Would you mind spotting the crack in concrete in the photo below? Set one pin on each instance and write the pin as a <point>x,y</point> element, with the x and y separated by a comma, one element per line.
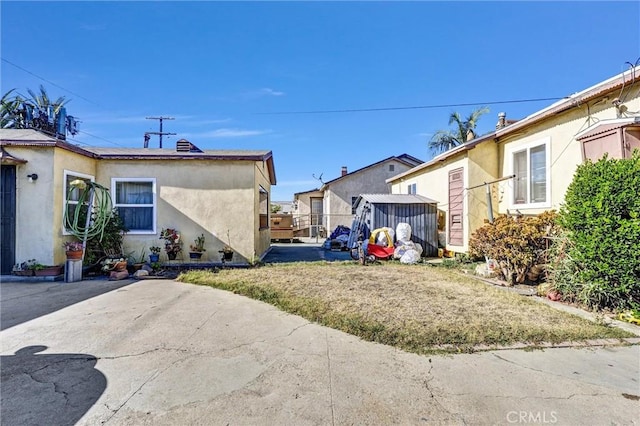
<point>56,388</point>
<point>527,397</point>
<point>114,412</point>
<point>333,418</point>
<point>143,353</point>
<point>160,372</point>
<point>296,329</point>
<point>427,385</point>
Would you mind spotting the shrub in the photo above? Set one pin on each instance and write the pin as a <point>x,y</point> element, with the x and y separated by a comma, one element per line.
<point>599,265</point>
<point>515,243</point>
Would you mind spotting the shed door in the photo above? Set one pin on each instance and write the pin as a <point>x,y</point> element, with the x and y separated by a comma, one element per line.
<point>456,209</point>
<point>7,219</point>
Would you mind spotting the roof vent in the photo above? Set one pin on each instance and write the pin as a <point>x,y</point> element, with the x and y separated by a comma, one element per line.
<point>184,145</point>
<point>502,120</point>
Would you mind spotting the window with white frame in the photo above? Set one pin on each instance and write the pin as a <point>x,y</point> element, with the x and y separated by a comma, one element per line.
<point>411,188</point>
<point>135,201</point>
<point>530,165</point>
<point>72,194</point>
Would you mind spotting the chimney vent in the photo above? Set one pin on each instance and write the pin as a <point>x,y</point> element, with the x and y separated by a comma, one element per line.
<point>502,120</point>
<point>344,170</point>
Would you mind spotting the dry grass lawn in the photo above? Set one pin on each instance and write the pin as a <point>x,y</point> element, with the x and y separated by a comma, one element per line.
<point>418,308</point>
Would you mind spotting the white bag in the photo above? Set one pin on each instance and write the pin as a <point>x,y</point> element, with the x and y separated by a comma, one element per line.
<point>410,257</point>
<point>403,232</point>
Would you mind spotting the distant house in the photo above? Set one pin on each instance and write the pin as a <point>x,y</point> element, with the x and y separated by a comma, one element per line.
<point>285,206</point>
<point>321,210</point>
<point>211,192</point>
<point>526,166</point>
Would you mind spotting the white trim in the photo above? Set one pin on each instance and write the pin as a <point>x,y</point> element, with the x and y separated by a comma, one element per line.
<point>114,181</point>
<point>66,173</point>
<point>510,151</point>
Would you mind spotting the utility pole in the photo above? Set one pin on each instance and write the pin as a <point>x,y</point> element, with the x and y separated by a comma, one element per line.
<point>160,133</point>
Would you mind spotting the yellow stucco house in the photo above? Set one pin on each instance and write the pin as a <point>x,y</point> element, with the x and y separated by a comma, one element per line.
<point>526,166</point>
<point>210,192</point>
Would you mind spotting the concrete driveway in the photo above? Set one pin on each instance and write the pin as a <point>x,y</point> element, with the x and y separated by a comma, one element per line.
<point>158,352</point>
<point>308,250</point>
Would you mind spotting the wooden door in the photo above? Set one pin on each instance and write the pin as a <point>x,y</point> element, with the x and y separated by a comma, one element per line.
<point>456,207</point>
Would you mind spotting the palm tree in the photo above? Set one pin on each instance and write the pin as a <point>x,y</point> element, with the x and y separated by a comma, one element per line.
<point>15,111</point>
<point>9,108</point>
<point>444,140</point>
<point>43,102</point>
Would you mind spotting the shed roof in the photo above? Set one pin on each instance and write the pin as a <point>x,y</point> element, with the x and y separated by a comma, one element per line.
<point>395,199</point>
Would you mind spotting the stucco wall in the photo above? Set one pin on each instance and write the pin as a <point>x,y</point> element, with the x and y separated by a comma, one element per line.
<point>483,167</point>
<point>433,182</point>
<point>34,230</point>
<point>195,197</point>
<point>565,151</point>
<point>302,211</point>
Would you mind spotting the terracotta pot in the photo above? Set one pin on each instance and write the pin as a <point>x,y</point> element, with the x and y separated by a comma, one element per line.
<point>74,255</point>
<point>26,273</point>
<point>49,271</point>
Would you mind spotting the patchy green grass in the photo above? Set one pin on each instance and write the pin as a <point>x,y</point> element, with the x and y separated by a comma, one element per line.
<point>413,307</point>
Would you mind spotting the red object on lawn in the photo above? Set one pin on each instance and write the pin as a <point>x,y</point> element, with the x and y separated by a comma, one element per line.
<point>380,252</point>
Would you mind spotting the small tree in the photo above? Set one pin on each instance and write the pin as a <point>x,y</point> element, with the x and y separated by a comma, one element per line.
<point>516,243</point>
<point>599,265</point>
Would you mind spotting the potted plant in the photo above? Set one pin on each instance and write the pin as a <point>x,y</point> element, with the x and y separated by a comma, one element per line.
<point>155,254</point>
<point>40,270</point>
<point>73,250</point>
<point>114,265</point>
<point>172,242</point>
<point>227,251</point>
<point>197,248</point>
<point>138,262</point>
<point>24,269</point>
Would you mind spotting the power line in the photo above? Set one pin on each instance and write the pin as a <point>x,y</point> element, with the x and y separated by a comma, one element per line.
<point>97,137</point>
<point>514,101</point>
<point>48,81</point>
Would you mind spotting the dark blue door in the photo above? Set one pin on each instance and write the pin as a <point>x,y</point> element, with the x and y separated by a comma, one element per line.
<point>7,219</point>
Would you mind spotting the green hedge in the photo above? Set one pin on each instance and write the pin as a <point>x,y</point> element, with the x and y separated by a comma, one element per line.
<point>598,264</point>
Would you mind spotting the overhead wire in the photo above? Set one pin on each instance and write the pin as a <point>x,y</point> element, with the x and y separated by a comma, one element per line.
<point>48,81</point>
<point>512,101</point>
<point>69,91</point>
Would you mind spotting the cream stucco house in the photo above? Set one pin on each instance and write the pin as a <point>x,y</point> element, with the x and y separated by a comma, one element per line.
<point>209,192</point>
<point>526,166</point>
<point>321,210</point>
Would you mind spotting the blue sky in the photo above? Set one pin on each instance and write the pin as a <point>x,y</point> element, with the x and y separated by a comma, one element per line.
<point>226,71</point>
